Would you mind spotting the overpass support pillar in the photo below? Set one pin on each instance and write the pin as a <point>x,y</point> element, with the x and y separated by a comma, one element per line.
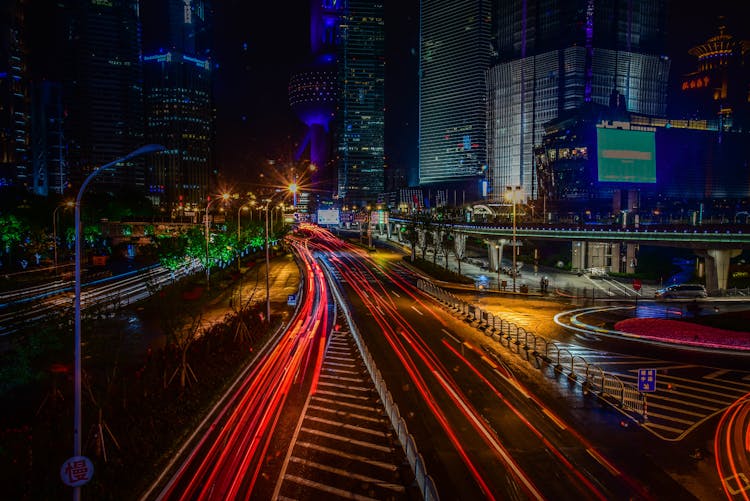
<point>495,250</point>
<point>717,266</point>
<point>578,256</point>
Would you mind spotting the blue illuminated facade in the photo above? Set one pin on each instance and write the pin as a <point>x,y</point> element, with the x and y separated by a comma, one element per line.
<point>313,93</point>
<point>551,57</point>
<point>179,105</point>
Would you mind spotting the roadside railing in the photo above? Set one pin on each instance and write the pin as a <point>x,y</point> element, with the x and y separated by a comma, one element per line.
<point>424,481</point>
<point>590,377</point>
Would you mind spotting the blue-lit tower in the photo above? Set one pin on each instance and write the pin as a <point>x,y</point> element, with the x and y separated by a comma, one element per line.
<point>313,92</point>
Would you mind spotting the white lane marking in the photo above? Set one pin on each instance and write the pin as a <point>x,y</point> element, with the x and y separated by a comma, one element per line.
<point>454,338</point>
<point>413,308</point>
<point>344,473</point>
<point>348,440</point>
<point>325,488</point>
<point>346,455</point>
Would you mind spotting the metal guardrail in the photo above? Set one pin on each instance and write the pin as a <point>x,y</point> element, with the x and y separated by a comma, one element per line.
<point>424,481</point>
<point>591,377</point>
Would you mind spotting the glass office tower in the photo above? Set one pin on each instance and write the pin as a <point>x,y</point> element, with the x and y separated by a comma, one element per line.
<point>552,57</point>
<point>455,52</point>
<point>360,119</point>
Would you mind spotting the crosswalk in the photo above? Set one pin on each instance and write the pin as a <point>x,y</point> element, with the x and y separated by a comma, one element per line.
<point>345,447</point>
<point>685,395</point>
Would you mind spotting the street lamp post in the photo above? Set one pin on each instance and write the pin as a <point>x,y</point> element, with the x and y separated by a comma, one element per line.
<point>239,234</point>
<point>224,197</point>
<point>268,268</point>
<point>514,193</point>
<point>54,228</point>
<point>150,148</point>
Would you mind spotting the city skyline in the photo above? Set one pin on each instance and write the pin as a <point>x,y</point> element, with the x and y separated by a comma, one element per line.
<point>252,63</point>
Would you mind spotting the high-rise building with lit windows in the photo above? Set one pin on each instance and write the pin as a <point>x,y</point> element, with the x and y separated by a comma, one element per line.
<point>104,91</point>
<point>360,115</point>
<point>14,98</point>
<point>454,54</point>
<point>555,56</point>
<point>179,103</point>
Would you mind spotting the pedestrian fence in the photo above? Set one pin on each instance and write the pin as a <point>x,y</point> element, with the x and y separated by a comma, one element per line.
<point>591,377</point>
<point>424,482</point>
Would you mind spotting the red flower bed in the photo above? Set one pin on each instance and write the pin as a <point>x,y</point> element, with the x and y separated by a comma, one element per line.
<point>675,331</point>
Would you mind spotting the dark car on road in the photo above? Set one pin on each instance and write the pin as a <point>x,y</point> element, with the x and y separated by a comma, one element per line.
<point>682,291</point>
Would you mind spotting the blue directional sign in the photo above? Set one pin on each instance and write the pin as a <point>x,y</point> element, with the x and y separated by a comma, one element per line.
<point>291,300</point>
<point>646,380</point>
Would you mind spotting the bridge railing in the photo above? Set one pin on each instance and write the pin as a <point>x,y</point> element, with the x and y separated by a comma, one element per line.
<point>589,376</point>
<point>416,461</point>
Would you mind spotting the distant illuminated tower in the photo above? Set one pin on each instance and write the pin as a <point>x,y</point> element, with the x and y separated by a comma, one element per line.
<point>720,86</point>
<point>313,91</point>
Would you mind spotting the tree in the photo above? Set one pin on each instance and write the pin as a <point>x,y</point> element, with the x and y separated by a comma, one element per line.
<point>12,232</point>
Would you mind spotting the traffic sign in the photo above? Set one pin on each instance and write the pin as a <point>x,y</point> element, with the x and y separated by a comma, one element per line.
<point>646,380</point>
<point>77,471</point>
<point>637,284</point>
<point>291,300</point>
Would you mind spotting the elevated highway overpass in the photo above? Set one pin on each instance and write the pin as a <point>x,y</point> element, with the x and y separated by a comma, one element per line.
<point>717,244</point>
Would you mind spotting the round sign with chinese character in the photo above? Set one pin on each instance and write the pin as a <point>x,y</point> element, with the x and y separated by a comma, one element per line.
<point>77,471</point>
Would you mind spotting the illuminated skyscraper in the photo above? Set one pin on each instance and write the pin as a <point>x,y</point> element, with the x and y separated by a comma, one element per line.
<point>104,91</point>
<point>556,56</point>
<point>454,55</point>
<point>14,98</point>
<point>360,113</point>
<point>179,104</point>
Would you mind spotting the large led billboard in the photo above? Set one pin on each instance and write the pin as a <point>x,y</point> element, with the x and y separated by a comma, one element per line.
<point>328,216</point>
<point>626,156</point>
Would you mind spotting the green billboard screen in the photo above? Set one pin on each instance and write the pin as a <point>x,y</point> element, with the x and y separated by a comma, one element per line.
<point>626,156</point>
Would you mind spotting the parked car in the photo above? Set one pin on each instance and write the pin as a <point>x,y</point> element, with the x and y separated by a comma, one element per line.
<point>682,291</point>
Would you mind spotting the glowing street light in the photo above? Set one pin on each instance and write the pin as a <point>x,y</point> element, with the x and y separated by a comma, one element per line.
<point>223,197</point>
<point>77,425</point>
<point>250,203</point>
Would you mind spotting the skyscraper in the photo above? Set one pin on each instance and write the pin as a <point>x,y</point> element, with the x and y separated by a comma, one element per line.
<point>454,55</point>
<point>14,97</point>
<point>179,104</point>
<point>360,115</point>
<point>104,91</point>
<point>556,56</point>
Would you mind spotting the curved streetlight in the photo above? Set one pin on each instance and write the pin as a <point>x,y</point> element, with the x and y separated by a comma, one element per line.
<point>223,197</point>
<point>149,148</point>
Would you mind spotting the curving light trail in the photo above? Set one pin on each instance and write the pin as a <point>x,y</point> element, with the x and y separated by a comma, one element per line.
<point>227,460</point>
<point>732,450</point>
<point>434,381</point>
